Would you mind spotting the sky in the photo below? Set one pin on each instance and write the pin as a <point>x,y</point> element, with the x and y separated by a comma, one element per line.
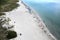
<point>44,1</point>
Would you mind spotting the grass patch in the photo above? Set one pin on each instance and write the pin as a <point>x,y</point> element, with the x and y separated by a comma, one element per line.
<point>8,7</point>
<point>5,6</point>
<point>2,14</point>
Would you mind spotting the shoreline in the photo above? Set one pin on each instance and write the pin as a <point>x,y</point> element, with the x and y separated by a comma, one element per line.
<point>26,24</point>
<point>44,28</point>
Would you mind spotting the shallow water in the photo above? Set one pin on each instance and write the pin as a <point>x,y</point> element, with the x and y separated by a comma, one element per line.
<point>50,14</point>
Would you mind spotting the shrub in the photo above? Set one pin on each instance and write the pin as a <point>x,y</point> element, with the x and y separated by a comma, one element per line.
<point>2,14</point>
<point>11,34</point>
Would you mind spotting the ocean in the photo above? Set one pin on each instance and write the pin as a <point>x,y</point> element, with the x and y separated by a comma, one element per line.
<point>50,14</point>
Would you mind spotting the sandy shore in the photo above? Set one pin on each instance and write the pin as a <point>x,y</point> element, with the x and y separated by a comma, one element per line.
<point>29,24</point>
<point>38,20</point>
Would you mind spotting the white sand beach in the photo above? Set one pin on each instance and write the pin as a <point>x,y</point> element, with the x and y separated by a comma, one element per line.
<point>29,25</point>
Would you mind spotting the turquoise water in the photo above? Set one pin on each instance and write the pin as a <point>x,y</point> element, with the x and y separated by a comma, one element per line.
<point>50,14</point>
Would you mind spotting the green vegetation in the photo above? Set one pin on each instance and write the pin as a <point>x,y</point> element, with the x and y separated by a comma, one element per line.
<point>3,29</point>
<point>2,2</point>
<point>11,34</point>
<point>2,14</point>
<point>8,5</point>
<point>5,6</point>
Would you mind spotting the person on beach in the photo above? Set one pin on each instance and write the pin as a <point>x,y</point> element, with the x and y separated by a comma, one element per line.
<point>20,34</point>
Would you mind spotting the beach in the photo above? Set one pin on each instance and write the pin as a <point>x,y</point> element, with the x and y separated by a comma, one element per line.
<point>29,24</point>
